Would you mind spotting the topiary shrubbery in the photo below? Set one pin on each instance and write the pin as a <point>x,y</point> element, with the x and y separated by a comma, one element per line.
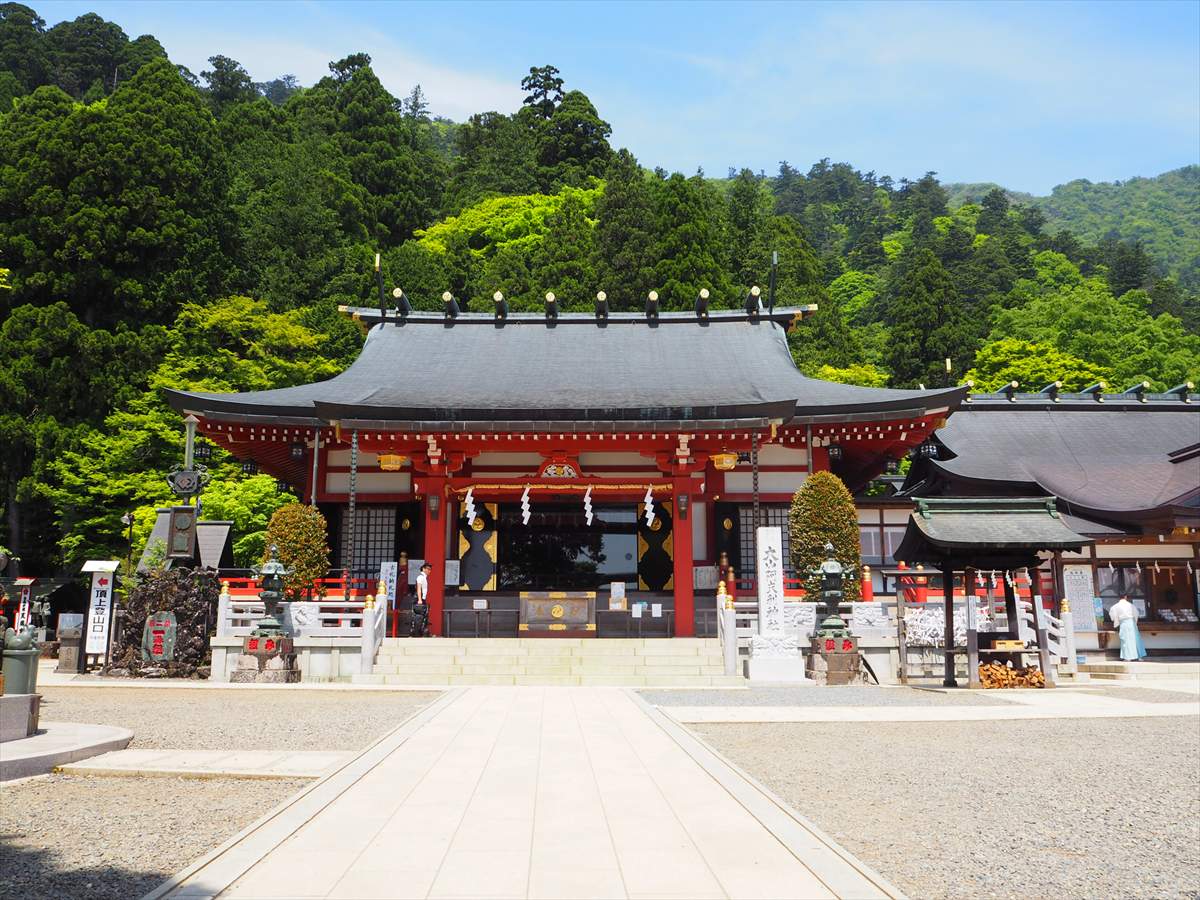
<point>299,533</point>
<point>823,511</point>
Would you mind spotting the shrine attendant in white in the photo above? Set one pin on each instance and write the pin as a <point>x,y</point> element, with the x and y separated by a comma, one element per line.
<point>1124,616</point>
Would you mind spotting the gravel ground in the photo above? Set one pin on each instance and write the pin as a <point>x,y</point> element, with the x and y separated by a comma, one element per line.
<point>1145,695</point>
<point>70,836</point>
<point>1014,809</point>
<point>190,719</point>
<point>846,695</point>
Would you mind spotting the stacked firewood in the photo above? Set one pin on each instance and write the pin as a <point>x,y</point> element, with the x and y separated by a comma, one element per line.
<point>997,675</point>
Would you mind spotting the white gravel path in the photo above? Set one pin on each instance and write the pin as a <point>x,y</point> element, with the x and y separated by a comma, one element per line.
<point>68,836</point>
<point>166,719</point>
<point>1016,809</point>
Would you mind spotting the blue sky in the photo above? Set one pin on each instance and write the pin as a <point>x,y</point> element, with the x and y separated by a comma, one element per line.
<point>1026,94</point>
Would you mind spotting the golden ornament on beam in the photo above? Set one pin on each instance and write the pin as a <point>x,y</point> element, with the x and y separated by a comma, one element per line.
<point>391,462</point>
<point>724,462</point>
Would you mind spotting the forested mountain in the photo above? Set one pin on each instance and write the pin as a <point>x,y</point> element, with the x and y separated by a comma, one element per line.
<point>163,229</point>
<point>1162,213</point>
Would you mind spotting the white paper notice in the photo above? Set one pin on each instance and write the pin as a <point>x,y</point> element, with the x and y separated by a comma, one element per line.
<point>656,610</point>
<point>636,610</point>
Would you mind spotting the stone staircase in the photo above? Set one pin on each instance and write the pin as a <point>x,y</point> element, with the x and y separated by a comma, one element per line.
<point>1115,670</point>
<point>633,662</point>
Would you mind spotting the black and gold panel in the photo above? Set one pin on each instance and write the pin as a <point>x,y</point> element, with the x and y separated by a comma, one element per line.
<point>477,549</point>
<point>656,549</point>
<point>728,525</point>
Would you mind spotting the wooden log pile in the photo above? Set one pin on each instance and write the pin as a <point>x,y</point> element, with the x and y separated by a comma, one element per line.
<point>998,675</point>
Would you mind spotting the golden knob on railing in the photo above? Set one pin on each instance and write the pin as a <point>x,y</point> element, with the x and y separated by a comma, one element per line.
<point>369,602</point>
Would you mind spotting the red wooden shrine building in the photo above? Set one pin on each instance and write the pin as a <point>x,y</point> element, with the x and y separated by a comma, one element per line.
<point>565,451</point>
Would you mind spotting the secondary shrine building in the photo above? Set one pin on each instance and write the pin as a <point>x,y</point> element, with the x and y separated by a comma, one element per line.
<point>521,452</point>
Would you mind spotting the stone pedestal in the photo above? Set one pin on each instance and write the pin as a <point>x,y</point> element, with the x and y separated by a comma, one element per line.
<point>835,660</point>
<point>266,660</point>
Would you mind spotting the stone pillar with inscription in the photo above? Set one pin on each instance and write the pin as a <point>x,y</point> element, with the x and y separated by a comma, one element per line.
<point>774,651</point>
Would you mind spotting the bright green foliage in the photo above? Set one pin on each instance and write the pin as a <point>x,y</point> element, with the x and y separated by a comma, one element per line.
<point>1117,335</point>
<point>1032,366</point>
<point>855,293</point>
<point>233,345</point>
<point>300,536</point>
<point>823,512</point>
<point>864,375</point>
<point>249,504</point>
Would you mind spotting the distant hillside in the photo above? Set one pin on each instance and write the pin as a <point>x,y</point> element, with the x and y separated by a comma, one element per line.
<point>1162,212</point>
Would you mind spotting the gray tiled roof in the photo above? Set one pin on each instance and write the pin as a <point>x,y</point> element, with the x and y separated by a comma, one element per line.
<point>1119,459</point>
<point>983,527</point>
<point>729,368</point>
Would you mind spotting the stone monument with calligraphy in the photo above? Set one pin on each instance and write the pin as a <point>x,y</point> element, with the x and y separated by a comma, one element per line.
<point>774,651</point>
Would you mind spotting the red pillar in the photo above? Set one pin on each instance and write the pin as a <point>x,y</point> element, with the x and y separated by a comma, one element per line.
<point>435,547</point>
<point>685,594</point>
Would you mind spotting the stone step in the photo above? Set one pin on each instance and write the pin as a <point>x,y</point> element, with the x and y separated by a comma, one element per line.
<point>583,680</point>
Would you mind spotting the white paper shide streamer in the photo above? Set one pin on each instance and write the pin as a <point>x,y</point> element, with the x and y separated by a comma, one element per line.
<point>587,504</point>
<point>525,506</point>
<point>649,501</point>
<point>469,506</point>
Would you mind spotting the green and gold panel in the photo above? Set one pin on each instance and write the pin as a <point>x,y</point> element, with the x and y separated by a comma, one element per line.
<point>477,549</point>
<point>656,549</point>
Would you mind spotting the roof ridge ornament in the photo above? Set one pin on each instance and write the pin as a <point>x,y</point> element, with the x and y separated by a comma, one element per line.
<point>1182,391</point>
<point>1010,391</point>
<point>451,307</point>
<point>753,306</point>
<point>1096,390</point>
<point>1138,390</point>
<point>601,308</point>
<point>1051,390</point>
<point>652,308</point>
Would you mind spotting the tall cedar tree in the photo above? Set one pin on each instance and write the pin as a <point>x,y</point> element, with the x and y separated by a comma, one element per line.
<point>928,324</point>
<point>691,251</point>
<point>823,512</point>
<point>626,239</point>
<point>121,207</point>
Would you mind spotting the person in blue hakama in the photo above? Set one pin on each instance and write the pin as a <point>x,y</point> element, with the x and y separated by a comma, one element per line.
<point>1124,616</point>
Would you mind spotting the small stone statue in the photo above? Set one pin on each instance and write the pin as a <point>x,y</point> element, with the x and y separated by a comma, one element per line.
<point>16,640</point>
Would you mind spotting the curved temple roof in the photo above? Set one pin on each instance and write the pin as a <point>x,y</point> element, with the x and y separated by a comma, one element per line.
<point>1120,459</point>
<point>425,372</point>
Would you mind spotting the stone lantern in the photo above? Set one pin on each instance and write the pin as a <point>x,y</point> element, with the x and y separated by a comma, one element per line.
<point>268,654</point>
<point>832,576</point>
<point>272,574</point>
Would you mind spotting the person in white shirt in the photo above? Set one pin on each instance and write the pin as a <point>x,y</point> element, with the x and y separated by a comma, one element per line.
<point>1124,617</point>
<point>420,611</point>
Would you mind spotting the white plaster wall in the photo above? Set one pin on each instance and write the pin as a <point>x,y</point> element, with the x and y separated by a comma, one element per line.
<point>768,482</point>
<point>369,482</point>
<point>777,455</point>
<point>698,512</point>
<point>342,458</point>
<point>1144,551</point>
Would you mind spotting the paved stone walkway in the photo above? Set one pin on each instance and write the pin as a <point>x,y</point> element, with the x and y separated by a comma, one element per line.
<point>533,792</point>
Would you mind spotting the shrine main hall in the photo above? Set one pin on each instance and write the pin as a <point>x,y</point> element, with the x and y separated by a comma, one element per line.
<point>566,451</point>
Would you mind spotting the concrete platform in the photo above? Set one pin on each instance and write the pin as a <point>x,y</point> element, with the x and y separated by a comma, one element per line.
<point>532,792</point>
<point>56,744</point>
<point>212,763</point>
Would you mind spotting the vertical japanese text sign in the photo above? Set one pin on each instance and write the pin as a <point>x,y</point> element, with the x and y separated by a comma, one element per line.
<point>99,613</point>
<point>770,580</point>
